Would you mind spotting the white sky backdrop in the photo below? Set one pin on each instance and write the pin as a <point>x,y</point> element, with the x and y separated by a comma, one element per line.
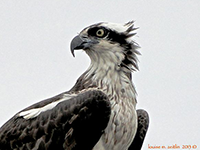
<point>36,63</point>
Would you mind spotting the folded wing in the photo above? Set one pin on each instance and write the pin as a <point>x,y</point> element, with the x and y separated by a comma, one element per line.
<point>75,123</point>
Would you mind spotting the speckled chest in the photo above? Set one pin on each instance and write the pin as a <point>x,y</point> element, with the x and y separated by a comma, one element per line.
<point>122,125</point>
<point>119,88</point>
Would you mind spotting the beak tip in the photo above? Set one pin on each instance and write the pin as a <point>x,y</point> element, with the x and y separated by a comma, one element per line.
<point>73,55</point>
<point>72,51</point>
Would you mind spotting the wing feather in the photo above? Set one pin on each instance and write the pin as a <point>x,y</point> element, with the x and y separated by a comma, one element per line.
<point>143,124</point>
<point>77,123</point>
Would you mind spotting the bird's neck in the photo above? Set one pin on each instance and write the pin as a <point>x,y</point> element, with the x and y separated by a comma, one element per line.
<point>110,78</point>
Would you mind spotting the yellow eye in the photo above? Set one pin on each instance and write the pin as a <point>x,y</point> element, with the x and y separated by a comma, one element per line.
<point>100,33</point>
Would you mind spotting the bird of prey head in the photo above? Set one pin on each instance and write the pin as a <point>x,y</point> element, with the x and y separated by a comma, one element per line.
<point>108,44</point>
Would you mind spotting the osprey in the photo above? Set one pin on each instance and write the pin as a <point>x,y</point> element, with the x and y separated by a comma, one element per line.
<point>99,112</point>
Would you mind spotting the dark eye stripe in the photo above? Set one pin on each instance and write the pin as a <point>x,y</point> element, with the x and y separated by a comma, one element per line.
<point>117,37</point>
<point>111,35</point>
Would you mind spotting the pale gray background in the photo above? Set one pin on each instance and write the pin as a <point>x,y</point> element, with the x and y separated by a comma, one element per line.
<point>35,59</point>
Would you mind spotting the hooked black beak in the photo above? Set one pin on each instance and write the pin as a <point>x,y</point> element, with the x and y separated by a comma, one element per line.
<point>79,42</point>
